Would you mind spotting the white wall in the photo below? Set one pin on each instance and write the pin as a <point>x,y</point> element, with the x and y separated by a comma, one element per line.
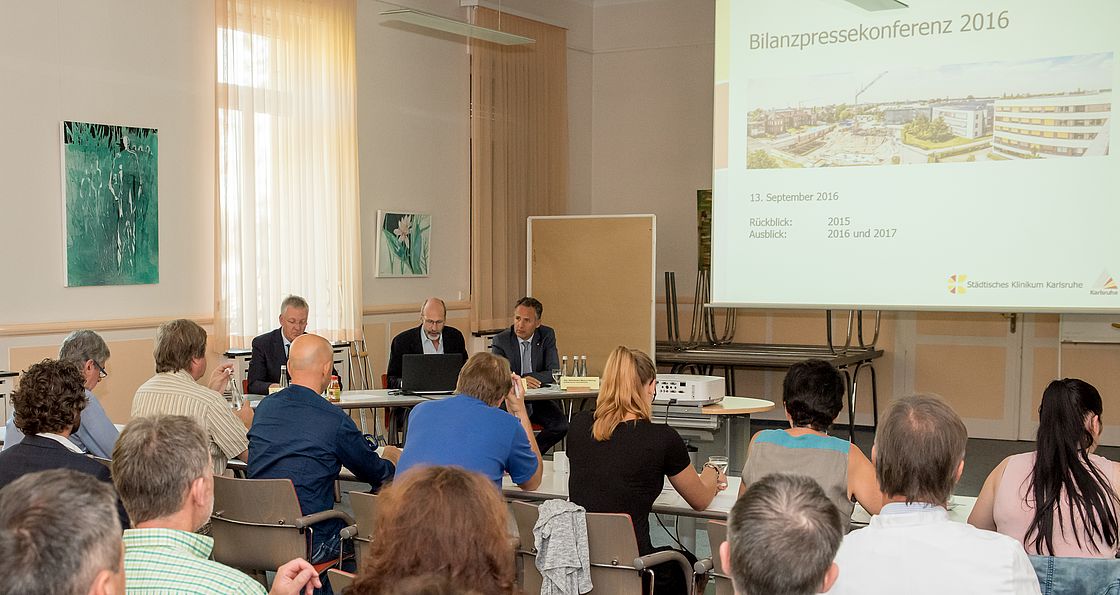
<point>111,62</point>
<point>414,134</point>
<point>651,143</point>
<point>413,149</point>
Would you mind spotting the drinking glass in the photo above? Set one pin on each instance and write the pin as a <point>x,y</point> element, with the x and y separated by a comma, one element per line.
<point>720,463</point>
<point>556,376</point>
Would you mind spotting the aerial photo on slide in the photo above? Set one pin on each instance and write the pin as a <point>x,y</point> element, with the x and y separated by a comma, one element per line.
<point>1044,108</point>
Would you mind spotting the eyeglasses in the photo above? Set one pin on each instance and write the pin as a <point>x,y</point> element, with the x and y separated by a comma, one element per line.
<point>101,373</point>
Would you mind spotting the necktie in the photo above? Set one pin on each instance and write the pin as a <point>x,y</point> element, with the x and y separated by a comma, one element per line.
<point>526,358</point>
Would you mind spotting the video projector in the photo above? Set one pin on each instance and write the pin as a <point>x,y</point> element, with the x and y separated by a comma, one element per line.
<point>688,389</point>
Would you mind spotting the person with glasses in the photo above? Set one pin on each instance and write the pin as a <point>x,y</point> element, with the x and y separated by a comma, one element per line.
<point>96,433</point>
<point>270,350</point>
<point>432,336</point>
<point>48,405</point>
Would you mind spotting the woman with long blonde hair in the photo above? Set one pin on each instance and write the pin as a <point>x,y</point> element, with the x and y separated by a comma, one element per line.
<point>619,457</point>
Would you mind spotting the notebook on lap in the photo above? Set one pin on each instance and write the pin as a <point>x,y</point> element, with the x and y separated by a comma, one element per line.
<point>430,374</point>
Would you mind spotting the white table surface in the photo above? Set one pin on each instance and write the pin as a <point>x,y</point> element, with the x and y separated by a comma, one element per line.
<point>555,485</point>
<point>959,509</point>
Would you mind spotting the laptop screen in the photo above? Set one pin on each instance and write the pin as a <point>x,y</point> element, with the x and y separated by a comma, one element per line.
<point>430,373</point>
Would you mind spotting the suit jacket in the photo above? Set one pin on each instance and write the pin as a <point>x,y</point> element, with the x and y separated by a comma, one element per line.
<point>37,453</point>
<point>268,356</point>
<point>544,355</point>
<point>409,342</point>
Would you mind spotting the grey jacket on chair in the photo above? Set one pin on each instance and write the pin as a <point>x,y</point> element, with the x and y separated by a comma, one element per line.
<point>560,537</point>
<point>1077,576</point>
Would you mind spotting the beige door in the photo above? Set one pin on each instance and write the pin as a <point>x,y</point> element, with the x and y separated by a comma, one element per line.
<point>973,360</point>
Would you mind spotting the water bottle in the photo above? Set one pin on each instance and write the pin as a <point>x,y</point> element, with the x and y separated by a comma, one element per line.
<point>583,365</point>
<point>575,366</point>
<point>283,376</point>
<point>236,400</point>
<point>564,367</point>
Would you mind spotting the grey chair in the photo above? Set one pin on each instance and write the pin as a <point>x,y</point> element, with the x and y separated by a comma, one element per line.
<point>364,506</point>
<point>340,580</point>
<point>612,548</point>
<point>257,524</point>
<point>713,567</point>
<point>525,516</point>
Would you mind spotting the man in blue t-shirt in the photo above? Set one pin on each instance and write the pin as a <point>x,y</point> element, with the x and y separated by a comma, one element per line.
<point>470,430</point>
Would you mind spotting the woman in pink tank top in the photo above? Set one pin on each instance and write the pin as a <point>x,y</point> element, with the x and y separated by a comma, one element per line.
<point>1059,500</point>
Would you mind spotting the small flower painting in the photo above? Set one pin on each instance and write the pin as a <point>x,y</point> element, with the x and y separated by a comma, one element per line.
<point>403,244</point>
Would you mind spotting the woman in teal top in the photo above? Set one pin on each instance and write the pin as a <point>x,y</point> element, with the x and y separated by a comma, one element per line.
<point>813,393</point>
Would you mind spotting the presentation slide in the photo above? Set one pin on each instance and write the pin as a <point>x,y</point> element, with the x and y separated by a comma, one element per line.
<point>946,155</point>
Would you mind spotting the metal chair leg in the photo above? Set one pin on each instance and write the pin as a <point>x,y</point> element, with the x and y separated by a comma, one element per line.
<point>874,398</point>
<point>850,384</point>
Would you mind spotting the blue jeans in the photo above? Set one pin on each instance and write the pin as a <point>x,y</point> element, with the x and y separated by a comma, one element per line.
<point>325,542</point>
<point>1080,576</point>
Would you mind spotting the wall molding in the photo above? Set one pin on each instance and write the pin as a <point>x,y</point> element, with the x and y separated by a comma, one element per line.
<point>409,308</point>
<point>123,324</point>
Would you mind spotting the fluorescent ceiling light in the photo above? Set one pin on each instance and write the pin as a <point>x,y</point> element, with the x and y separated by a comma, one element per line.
<point>431,21</point>
<point>878,4</point>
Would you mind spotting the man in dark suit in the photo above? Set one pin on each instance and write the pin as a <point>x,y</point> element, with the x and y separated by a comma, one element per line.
<point>530,348</point>
<point>430,337</point>
<point>270,350</point>
<point>48,404</point>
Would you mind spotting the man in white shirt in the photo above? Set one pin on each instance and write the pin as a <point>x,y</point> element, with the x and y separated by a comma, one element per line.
<point>911,546</point>
<point>180,356</point>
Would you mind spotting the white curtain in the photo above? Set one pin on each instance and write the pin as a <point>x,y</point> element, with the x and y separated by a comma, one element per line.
<point>288,167</point>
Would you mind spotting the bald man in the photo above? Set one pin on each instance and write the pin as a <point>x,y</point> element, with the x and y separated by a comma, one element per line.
<point>299,435</point>
<point>430,337</point>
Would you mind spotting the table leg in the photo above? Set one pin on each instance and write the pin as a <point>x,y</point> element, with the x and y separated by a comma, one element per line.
<point>686,532</point>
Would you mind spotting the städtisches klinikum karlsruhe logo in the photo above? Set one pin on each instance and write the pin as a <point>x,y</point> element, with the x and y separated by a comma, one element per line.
<point>957,284</point>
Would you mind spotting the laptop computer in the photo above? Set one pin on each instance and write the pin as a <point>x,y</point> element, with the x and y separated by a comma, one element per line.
<point>430,374</point>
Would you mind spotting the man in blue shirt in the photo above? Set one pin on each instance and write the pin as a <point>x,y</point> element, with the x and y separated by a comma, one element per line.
<point>96,434</point>
<point>299,435</point>
<point>470,430</point>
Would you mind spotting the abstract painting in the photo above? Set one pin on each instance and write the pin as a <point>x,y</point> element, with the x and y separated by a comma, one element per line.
<point>112,204</point>
<point>403,244</point>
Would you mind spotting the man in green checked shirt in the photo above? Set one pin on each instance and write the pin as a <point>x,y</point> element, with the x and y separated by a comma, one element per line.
<point>163,473</point>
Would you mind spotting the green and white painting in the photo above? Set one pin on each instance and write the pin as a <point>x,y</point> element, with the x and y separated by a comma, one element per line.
<point>112,204</point>
<point>403,244</point>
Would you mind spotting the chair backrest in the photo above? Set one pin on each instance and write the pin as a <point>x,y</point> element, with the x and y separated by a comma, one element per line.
<point>717,534</point>
<point>253,523</point>
<point>612,547</point>
<point>340,580</point>
<point>1085,576</point>
<point>525,516</point>
<point>365,515</point>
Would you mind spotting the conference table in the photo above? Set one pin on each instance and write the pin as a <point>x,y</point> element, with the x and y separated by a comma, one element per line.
<point>388,398</point>
<point>554,485</point>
